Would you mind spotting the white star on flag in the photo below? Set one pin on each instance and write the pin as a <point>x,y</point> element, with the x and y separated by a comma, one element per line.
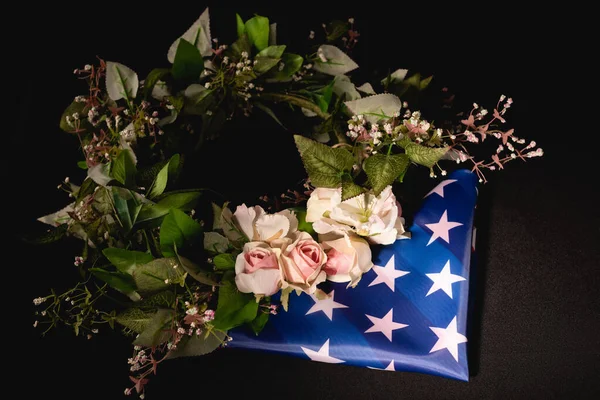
<point>384,325</point>
<point>390,367</point>
<point>326,305</point>
<point>322,355</point>
<point>443,280</point>
<point>387,274</point>
<point>439,189</point>
<point>448,338</point>
<point>440,229</point>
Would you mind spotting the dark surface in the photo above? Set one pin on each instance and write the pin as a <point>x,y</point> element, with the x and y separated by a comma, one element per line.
<point>536,317</point>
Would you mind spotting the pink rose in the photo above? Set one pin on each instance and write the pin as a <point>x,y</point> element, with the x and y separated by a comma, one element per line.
<point>257,269</point>
<point>301,261</point>
<point>348,257</point>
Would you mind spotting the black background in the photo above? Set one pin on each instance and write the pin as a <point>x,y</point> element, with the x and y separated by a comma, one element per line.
<point>535,325</point>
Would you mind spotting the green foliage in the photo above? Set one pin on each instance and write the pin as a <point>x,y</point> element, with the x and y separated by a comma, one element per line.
<point>156,330</point>
<point>423,155</point>
<point>349,188</point>
<point>153,212</point>
<point>224,261</point>
<point>300,213</point>
<point>215,243</point>
<point>126,260</point>
<point>383,170</point>
<point>325,165</point>
<point>116,279</point>
<point>74,107</point>
<point>127,207</point>
<point>241,28</point>
<point>336,29</point>
<point>188,62</point>
<point>165,299</point>
<point>195,272</point>
<point>51,236</point>
<point>157,275</point>
<point>259,322</point>
<point>153,77</point>
<point>176,231</point>
<point>86,188</point>
<point>123,169</point>
<point>135,319</point>
<point>199,345</point>
<point>291,64</point>
<point>257,29</point>
<point>234,308</point>
<point>167,172</point>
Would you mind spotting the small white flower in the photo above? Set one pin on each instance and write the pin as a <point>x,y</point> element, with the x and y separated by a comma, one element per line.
<point>444,172</point>
<point>207,85</point>
<point>351,20</point>
<point>87,67</point>
<point>311,35</point>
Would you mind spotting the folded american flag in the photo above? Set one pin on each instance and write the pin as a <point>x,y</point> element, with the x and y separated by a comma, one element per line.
<point>408,313</point>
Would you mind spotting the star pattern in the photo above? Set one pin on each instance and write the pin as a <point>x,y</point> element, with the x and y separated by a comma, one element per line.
<point>387,274</point>
<point>326,305</point>
<point>322,355</point>
<point>448,338</point>
<point>443,280</point>
<point>439,189</point>
<point>385,325</point>
<point>441,228</point>
<point>390,367</point>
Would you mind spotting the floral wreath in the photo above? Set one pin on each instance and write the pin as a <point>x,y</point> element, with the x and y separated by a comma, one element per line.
<point>183,279</point>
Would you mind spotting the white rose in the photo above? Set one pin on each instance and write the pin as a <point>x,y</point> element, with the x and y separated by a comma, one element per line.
<point>257,269</point>
<point>348,257</point>
<point>377,218</point>
<point>257,225</point>
<point>301,261</point>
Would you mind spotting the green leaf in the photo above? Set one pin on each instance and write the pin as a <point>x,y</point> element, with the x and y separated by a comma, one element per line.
<point>153,77</point>
<point>426,156</point>
<point>188,62</point>
<point>215,242</point>
<point>336,29</point>
<point>257,29</point>
<point>87,188</point>
<point>267,59</point>
<point>121,81</point>
<point>324,96</point>
<point>178,229</point>
<point>123,169</point>
<point>116,279</point>
<point>156,330</point>
<point>165,299</point>
<point>135,319</point>
<point>195,272</point>
<point>259,322</point>
<point>51,236</point>
<point>126,260</point>
<point>150,277</point>
<point>74,107</point>
<point>264,64</point>
<point>241,28</point>
<point>126,206</point>
<point>382,170</point>
<point>272,52</point>
<point>224,261</point>
<point>239,46</point>
<point>324,165</point>
<point>184,201</point>
<point>234,308</point>
<point>269,112</point>
<point>82,164</point>
<point>291,64</point>
<point>160,183</point>
<point>199,345</point>
<point>425,82</point>
<point>349,188</point>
